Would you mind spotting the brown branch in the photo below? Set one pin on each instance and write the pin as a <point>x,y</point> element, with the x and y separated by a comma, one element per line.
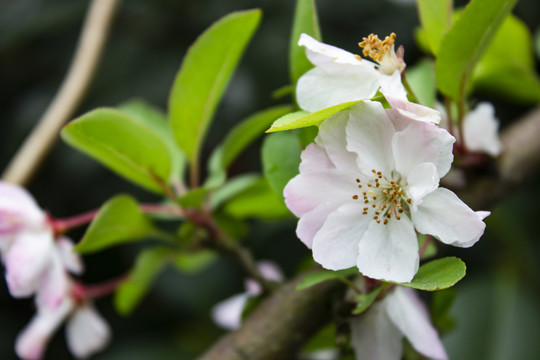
<point>286,319</point>
<point>87,55</point>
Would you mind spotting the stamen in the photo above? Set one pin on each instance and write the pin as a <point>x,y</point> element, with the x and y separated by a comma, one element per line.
<point>374,48</point>
<point>355,197</point>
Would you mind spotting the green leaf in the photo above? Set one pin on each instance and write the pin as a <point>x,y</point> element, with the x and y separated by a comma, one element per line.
<point>194,198</point>
<point>204,75</point>
<point>441,305</point>
<point>438,274</point>
<point>507,67</point>
<point>430,250</point>
<point>118,221</point>
<point>436,19</point>
<point>233,187</point>
<point>305,21</point>
<point>537,42</point>
<point>148,265</point>
<point>240,137</point>
<point>195,261</point>
<point>302,119</point>
<point>465,43</point>
<point>281,159</point>
<point>156,119</point>
<point>126,146</point>
<point>257,201</point>
<point>325,275</point>
<point>364,301</point>
<point>421,77</point>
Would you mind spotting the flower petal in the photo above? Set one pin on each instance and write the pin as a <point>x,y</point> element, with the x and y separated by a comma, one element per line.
<point>369,134</point>
<point>26,261</point>
<point>228,313</point>
<point>331,137</point>
<point>320,53</point>
<point>86,332</point>
<point>335,246</point>
<point>70,259</point>
<point>269,270</point>
<point>409,314</point>
<point>16,200</point>
<point>443,215</point>
<point>375,337</point>
<point>311,222</point>
<point>389,252</point>
<point>31,342</point>
<point>422,180</point>
<point>481,128</point>
<point>53,285</point>
<point>314,157</point>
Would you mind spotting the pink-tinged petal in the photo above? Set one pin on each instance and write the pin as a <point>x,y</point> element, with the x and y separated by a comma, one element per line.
<point>86,332</point>
<point>375,337</point>
<point>409,314</point>
<point>395,94</point>
<point>16,200</point>
<point>422,180</point>
<point>369,135</point>
<point>389,252</point>
<point>321,54</point>
<point>31,342</point>
<point>331,137</point>
<point>314,158</point>
<point>335,246</point>
<point>443,215</point>
<point>228,313</point>
<point>270,271</point>
<point>306,191</point>
<point>481,129</point>
<point>70,259</point>
<point>421,142</point>
<point>54,284</point>
<point>311,222</point>
<point>27,260</point>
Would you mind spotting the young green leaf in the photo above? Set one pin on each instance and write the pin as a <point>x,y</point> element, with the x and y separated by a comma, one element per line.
<point>126,146</point>
<point>148,265</point>
<point>194,198</point>
<point>302,119</point>
<point>466,42</point>
<point>233,187</point>
<point>436,18</point>
<point>438,274</point>
<point>421,77</point>
<point>204,75</point>
<point>325,275</point>
<point>195,261</point>
<point>118,221</point>
<point>281,159</point>
<point>305,21</point>
<point>364,301</point>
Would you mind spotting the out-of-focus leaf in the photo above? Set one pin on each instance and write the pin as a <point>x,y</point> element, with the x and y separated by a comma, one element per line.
<point>441,304</point>
<point>436,19</point>
<point>324,339</point>
<point>204,75</point>
<point>233,187</point>
<point>421,77</point>
<point>281,159</point>
<point>431,248</point>
<point>126,146</point>
<point>195,261</point>
<point>537,42</point>
<point>148,265</point>
<point>305,21</point>
<point>119,221</point>
<point>156,119</point>
<point>364,301</point>
<point>325,275</point>
<point>465,43</point>
<point>307,135</point>
<point>257,201</point>
<point>194,198</point>
<point>438,274</point>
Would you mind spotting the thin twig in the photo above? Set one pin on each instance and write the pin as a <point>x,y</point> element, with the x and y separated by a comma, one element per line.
<point>87,55</point>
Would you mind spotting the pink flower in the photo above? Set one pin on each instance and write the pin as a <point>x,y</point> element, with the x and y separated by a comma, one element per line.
<point>378,333</point>
<point>367,183</point>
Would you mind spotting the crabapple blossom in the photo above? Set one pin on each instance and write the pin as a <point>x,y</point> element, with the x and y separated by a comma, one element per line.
<point>367,183</point>
<point>378,333</point>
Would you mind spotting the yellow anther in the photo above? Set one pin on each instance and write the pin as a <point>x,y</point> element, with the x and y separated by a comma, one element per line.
<point>355,197</point>
<point>375,48</point>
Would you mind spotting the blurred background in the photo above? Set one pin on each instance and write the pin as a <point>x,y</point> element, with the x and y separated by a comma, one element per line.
<point>497,307</point>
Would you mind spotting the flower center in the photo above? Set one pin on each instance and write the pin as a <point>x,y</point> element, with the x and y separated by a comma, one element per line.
<point>384,198</point>
<point>375,48</point>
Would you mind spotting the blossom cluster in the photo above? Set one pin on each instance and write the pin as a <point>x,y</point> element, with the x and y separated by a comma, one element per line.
<point>38,262</point>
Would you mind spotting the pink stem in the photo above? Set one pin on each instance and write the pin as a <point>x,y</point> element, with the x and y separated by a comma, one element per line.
<point>424,246</point>
<point>81,291</point>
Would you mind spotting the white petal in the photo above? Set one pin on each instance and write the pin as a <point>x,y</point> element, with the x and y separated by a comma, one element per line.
<point>86,332</point>
<point>228,313</point>
<point>332,138</point>
<point>369,135</point>
<point>270,271</point>
<point>16,200</point>
<point>70,259</point>
<point>481,128</point>
<point>306,191</point>
<point>26,261</point>
<point>483,214</point>
<point>320,53</point>
<point>389,252</point>
<point>375,337</point>
<point>314,157</point>
<point>408,313</point>
<point>443,215</point>
<point>53,285</point>
<point>311,222</point>
<point>422,142</point>
<point>31,342</point>
<point>335,246</point>
<point>422,180</point>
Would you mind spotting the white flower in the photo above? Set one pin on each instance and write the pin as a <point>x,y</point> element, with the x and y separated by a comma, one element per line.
<point>370,179</point>
<point>378,333</point>
<point>480,128</point>
<point>228,313</point>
